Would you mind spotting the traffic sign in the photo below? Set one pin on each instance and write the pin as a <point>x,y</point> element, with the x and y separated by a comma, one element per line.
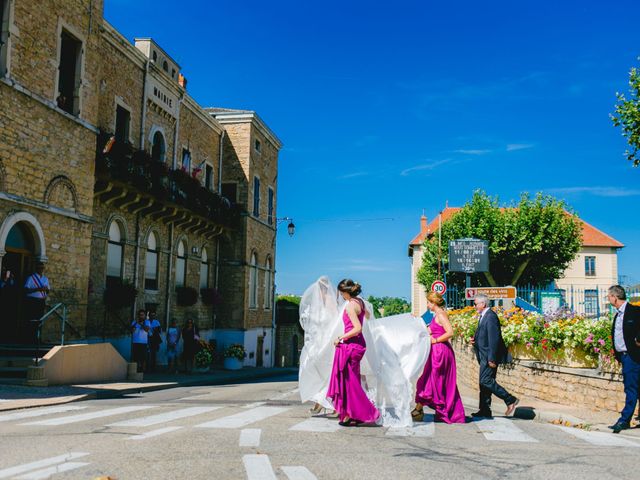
<point>439,287</point>
<point>494,293</point>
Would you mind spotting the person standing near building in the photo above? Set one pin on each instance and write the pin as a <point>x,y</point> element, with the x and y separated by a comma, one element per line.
<point>36,289</point>
<point>490,352</point>
<point>190,339</point>
<point>140,338</point>
<point>154,339</point>
<point>173,337</point>
<point>625,332</point>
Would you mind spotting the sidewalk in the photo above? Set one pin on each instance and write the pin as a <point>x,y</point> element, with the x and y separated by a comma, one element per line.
<point>13,397</point>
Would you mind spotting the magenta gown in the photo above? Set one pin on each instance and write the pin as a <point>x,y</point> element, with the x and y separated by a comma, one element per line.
<point>437,387</point>
<point>345,389</point>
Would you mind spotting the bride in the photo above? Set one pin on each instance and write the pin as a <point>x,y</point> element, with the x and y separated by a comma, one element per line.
<point>396,352</point>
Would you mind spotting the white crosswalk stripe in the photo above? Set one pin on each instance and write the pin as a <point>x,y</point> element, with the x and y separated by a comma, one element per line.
<point>154,433</point>
<point>46,462</point>
<point>47,472</point>
<point>502,430</point>
<point>163,417</point>
<point>317,424</point>
<point>245,418</point>
<point>419,429</point>
<point>298,473</point>
<point>258,467</point>
<point>91,415</point>
<point>250,437</point>
<point>600,438</point>
<point>38,412</point>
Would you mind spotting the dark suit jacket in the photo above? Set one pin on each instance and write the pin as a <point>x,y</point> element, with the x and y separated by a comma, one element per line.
<point>630,331</point>
<point>488,341</point>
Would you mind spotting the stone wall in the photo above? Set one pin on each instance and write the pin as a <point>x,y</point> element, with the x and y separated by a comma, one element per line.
<point>583,388</point>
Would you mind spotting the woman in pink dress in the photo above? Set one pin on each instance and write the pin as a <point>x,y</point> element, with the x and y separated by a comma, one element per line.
<point>437,387</point>
<point>345,388</point>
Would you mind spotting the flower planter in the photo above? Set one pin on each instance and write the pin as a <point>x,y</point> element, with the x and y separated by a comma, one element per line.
<point>568,357</point>
<point>232,363</point>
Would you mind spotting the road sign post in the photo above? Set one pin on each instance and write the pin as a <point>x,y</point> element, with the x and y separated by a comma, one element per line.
<point>439,287</point>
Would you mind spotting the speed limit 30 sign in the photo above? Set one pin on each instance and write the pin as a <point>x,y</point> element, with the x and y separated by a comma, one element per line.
<point>439,287</point>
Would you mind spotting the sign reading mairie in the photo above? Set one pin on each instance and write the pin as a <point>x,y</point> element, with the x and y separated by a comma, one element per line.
<point>468,255</point>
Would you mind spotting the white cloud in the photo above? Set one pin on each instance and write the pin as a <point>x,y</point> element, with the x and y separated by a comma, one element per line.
<point>596,191</point>
<point>432,165</point>
<point>512,147</point>
<point>478,151</point>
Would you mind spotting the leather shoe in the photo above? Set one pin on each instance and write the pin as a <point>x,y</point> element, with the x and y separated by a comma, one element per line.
<point>619,426</point>
<point>511,407</point>
<point>481,414</point>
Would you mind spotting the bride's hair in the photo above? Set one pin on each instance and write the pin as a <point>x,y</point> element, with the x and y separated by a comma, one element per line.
<point>436,298</point>
<point>349,286</point>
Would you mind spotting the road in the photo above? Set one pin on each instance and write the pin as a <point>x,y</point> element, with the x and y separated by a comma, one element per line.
<point>261,431</point>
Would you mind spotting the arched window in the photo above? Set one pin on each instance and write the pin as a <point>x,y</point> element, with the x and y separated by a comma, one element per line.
<point>181,265</point>
<point>253,282</point>
<point>151,264</point>
<point>268,284</point>
<point>115,248</point>
<point>204,269</point>
<point>158,147</point>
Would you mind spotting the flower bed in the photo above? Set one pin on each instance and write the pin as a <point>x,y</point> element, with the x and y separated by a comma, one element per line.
<point>564,338</point>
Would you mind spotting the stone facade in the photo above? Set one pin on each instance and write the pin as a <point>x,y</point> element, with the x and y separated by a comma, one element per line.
<point>583,388</point>
<point>50,185</point>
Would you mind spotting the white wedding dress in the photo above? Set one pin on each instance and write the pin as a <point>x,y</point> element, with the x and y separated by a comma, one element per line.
<point>397,350</point>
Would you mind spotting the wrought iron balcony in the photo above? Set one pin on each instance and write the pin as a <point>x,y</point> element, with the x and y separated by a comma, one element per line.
<point>130,179</point>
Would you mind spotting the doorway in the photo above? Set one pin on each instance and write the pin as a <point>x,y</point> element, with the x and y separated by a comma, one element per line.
<point>17,264</point>
<point>259,350</point>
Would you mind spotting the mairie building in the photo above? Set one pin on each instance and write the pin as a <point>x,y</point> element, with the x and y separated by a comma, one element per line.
<point>132,193</point>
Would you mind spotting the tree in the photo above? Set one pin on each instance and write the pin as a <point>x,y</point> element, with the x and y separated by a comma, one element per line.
<point>627,116</point>
<point>531,242</point>
<point>389,306</point>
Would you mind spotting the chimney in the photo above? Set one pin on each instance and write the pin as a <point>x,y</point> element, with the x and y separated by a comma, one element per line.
<point>182,80</point>
<point>423,224</point>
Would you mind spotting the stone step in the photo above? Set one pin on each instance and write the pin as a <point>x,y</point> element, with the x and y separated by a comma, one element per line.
<point>13,372</point>
<point>13,361</point>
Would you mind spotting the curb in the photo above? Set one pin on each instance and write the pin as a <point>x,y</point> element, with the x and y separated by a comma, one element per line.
<point>116,393</point>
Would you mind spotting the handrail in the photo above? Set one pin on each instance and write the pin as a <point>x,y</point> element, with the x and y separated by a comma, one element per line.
<point>63,321</point>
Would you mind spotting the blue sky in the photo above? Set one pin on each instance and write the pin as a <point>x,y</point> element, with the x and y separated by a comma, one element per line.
<point>388,110</point>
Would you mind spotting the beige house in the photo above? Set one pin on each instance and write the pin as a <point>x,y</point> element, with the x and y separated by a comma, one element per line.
<point>594,269</point>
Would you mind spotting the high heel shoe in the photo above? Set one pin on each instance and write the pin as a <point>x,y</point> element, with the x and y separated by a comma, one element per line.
<point>350,422</point>
<point>317,408</point>
<point>417,415</point>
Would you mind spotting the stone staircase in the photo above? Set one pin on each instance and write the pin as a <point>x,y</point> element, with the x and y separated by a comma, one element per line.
<point>14,360</point>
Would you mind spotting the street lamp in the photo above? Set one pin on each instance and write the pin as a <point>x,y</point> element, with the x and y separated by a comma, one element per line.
<point>291,228</point>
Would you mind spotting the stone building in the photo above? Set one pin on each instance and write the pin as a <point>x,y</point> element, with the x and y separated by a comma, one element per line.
<point>594,269</point>
<point>112,174</point>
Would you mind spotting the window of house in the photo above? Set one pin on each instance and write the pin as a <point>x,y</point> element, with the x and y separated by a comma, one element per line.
<point>256,197</point>
<point>267,284</point>
<point>186,160</point>
<point>115,248</point>
<point>253,282</point>
<point>181,265</point>
<point>4,35</point>
<point>591,302</point>
<point>173,73</point>
<point>208,176</point>
<point>258,146</point>
<point>590,266</point>
<point>270,218</point>
<point>123,122</point>
<point>204,269</point>
<point>68,97</point>
<point>151,264</point>
<point>158,148</point>
<point>230,192</point>
<point>155,56</point>
<point>165,66</point>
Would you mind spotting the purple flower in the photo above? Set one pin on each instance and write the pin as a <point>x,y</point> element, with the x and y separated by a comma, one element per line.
<point>596,349</point>
<point>601,342</point>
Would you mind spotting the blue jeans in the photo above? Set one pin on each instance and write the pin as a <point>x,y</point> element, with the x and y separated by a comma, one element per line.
<point>631,378</point>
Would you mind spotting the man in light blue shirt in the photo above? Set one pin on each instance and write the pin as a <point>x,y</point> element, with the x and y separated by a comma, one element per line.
<point>36,288</point>
<point>140,338</point>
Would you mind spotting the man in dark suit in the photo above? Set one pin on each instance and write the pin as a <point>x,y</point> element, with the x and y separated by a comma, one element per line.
<point>625,332</point>
<point>490,352</point>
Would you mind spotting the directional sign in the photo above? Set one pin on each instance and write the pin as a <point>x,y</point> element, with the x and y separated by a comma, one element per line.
<point>468,255</point>
<point>439,287</point>
<point>494,293</point>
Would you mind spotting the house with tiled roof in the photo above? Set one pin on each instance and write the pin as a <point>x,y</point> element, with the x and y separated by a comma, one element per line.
<point>594,268</point>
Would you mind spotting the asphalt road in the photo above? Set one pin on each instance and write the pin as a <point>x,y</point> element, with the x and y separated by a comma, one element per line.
<point>261,431</point>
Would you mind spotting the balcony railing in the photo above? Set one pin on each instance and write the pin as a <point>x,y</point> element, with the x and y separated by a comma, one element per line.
<point>130,178</point>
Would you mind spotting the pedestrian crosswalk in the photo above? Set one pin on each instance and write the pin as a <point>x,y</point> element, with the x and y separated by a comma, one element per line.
<point>176,417</point>
<point>44,468</point>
